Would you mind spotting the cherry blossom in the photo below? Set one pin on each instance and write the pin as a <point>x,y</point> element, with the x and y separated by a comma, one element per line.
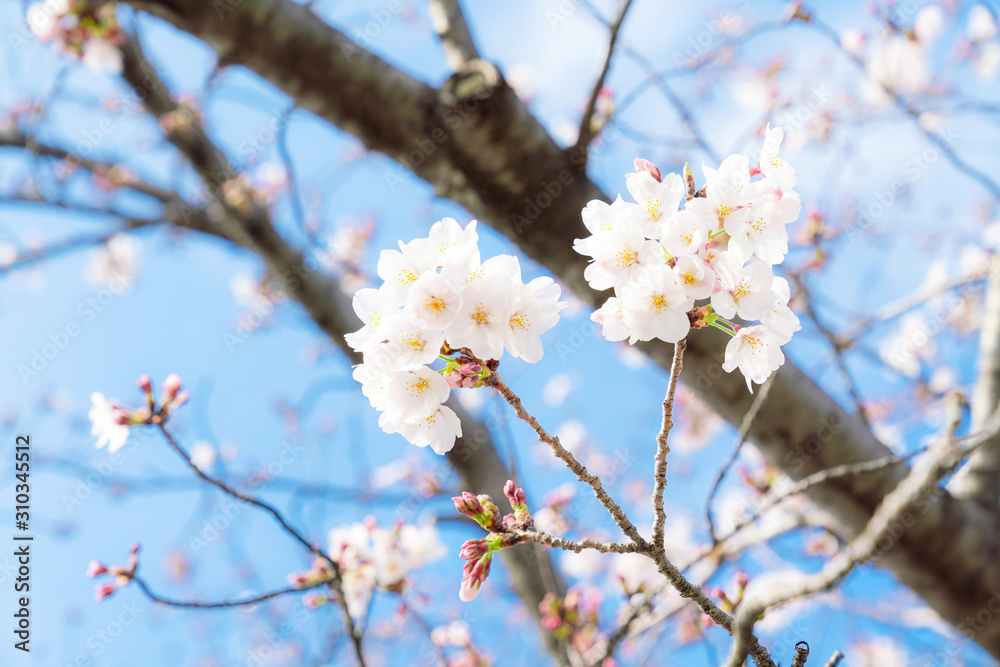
<point>440,300</point>
<point>746,290</point>
<point>756,351</point>
<point>107,418</point>
<point>661,260</point>
<point>655,306</point>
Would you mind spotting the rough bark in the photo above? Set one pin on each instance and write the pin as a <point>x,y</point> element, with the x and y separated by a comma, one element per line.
<point>487,153</point>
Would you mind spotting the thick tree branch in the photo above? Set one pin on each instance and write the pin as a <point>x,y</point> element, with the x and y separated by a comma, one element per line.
<point>979,479</point>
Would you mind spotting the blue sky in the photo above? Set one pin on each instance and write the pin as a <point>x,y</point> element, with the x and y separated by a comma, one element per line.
<point>176,316</point>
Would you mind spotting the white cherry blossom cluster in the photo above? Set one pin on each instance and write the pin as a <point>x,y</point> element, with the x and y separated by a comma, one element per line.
<point>440,302</point>
<point>85,30</point>
<point>372,557</point>
<point>661,259</point>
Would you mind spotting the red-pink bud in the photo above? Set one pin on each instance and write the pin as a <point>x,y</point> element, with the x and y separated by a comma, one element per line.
<point>473,549</point>
<point>642,164</point>
<point>551,622</point>
<point>103,591</point>
<point>145,384</point>
<point>96,569</point>
<point>171,386</point>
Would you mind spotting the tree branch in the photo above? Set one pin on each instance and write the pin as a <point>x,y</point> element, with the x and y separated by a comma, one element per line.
<point>586,131</point>
<point>453,30</point>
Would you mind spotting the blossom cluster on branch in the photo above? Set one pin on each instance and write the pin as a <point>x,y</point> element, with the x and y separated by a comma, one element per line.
<point>721,247</point>
<point>440,302</point>
<point>110,422</point>
<point>371,557</point>
<point>79,28</point>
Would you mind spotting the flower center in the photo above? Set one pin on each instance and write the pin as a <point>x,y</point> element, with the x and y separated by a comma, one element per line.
<point>434,304</point>
<point>521,321</point>
<point>482,316</point>
<point>625,258</point>
<point>406,277</point>
<point>659,303</point>
<point>653,207</point>
<point>414,341</point>
<point>418,387</point>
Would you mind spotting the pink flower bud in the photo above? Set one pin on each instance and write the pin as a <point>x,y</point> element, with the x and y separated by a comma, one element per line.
<point>171,386</point>
<point>474,549</point>
<point>298,579</point>
<point>96,569</point>
<point>181,399</point>
<point>645,165</point>
<point>469,589</point>
<point>103,591</point>
<point>742,579</point>
<point>145,384</point>
<point>313,600</point>
<point>122,417</point>
<point>551,622</point>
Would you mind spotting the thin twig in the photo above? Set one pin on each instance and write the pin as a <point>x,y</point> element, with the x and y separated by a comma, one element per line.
<point>226,604</point>
<point>337,582</point>
<point>748,420</point>
<point>571,461</point>
<point>586,132</point>
<point>576,545</point>
<point>923,478</point>
<point>835,659</point>
<point>662,448</point>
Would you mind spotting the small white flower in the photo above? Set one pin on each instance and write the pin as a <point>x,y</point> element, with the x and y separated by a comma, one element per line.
<point>115,263</point>
<point>687,233</point>
<point>611,319</point>
<point>414,344</point>
<point>483,319</point>
<point>696,278</point>
<point>401,268</point>
<point>780,318</point>
<point>534,309</point>
<point>619,257</point>
<point>656,201</point>
<point>203,455</point>
<point>762,232</point>
<point>655,306</point>
<point>103,416</point>
<point>438,430</point>
<point>434,300</point>
<point>375,308</point>
<point>746,290</point>
<point>777,171</point>
<point>102,56</point>
<point>756,351</point>
<point>448,243</point>
<point>981,26</point>
<point>416,394</point>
